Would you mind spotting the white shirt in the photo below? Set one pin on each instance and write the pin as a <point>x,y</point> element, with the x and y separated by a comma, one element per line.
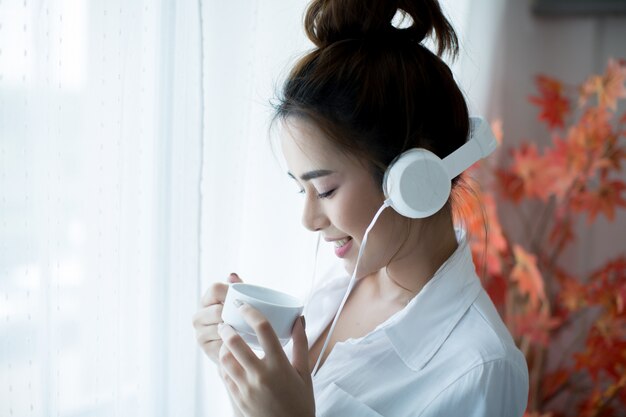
<point>447,353</point>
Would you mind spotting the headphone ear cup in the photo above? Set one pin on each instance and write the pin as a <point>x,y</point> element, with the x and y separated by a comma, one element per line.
<point>417,183</point>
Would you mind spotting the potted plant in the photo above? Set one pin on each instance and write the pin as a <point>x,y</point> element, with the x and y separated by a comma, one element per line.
<point>570,326</point>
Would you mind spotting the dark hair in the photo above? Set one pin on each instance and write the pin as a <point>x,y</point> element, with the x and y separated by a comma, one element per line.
<point>372,88</point>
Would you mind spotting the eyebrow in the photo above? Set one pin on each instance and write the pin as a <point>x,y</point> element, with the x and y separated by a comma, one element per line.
<point>312,174</point>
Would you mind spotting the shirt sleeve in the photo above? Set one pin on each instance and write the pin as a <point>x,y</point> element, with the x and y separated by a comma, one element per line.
<point>498,388</point>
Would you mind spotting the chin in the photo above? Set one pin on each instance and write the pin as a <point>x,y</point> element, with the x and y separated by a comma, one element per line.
<point>348,266</point>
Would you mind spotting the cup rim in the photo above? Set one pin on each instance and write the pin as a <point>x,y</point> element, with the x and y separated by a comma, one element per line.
<point>297,303</point>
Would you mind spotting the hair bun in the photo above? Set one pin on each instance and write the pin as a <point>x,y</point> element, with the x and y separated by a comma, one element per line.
<point>330,21</point>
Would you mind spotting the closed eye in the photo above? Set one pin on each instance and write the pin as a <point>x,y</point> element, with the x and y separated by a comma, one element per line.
<point>321,195</point>
<point>326,194</point>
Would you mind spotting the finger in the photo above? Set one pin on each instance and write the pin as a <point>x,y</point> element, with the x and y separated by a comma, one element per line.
<point>233,278</point>
<point>263,329</point>
<point>239,348</point>
<point>207,334</point>
<point>230,384</point>
<point>231,366</point>
<point>212,350</point>
<point>215,294</point>
<point>215,344</point>
<point>234,392</point>
<point>208,316</point>
<point>300,358</point>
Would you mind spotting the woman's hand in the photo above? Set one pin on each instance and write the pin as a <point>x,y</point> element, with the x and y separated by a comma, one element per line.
<point>209,316</point>
<point>271,386</point>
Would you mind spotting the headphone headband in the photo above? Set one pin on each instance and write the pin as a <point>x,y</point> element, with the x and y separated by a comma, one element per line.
<point>480,144</point>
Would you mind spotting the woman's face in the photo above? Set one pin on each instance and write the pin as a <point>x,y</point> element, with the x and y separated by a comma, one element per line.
<point>341,198</point>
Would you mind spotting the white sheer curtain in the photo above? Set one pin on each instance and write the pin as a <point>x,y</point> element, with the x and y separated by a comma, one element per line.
<point>478,69</point>
<point>251,210</point>
<point>100,138</point>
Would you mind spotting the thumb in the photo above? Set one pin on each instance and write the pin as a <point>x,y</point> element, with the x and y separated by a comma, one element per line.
<point>233,278</point>
<point>300,357</point>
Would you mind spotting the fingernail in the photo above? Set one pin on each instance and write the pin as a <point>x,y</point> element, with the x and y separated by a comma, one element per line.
<point>303,322</point>
<point>237,302</point>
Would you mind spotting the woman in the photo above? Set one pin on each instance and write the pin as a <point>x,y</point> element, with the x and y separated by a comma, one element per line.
<point>418,335</point>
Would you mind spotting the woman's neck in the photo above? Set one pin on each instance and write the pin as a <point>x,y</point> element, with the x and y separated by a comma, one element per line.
<point>429,244</point>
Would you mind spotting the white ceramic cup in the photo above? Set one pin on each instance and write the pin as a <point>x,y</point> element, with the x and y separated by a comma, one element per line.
<point>280,309</point>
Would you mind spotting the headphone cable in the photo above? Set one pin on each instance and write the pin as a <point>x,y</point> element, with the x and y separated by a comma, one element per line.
<point>386,204</point>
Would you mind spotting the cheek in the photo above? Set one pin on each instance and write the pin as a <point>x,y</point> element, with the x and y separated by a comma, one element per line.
<point>354,208</point>
<point>343,213</point>
<point>352,216</point>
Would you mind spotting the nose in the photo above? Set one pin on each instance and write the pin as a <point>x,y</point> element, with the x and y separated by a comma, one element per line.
<point>313,217</point>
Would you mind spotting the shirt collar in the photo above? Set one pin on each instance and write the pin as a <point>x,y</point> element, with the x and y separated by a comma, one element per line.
<point>428,319</point>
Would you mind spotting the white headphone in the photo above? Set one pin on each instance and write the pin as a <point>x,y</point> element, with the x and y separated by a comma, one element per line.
<point>417,182</point>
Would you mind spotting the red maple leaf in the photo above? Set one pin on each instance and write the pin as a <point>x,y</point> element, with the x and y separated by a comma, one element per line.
<point>553,104</point>
<point>529,166</point>
<point>613,156</point>
<point>536,325</point>
<point>572,294</point>
<point>527,276</point>
<point>594,129</point>
<point>543,176</point>
<point>603,199</point>
<point>561,168</point>
<point>607,287</point>
<point>496,286</point>
<point>608,87</point>
<point>511,185</point>
<point>602,354</point>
